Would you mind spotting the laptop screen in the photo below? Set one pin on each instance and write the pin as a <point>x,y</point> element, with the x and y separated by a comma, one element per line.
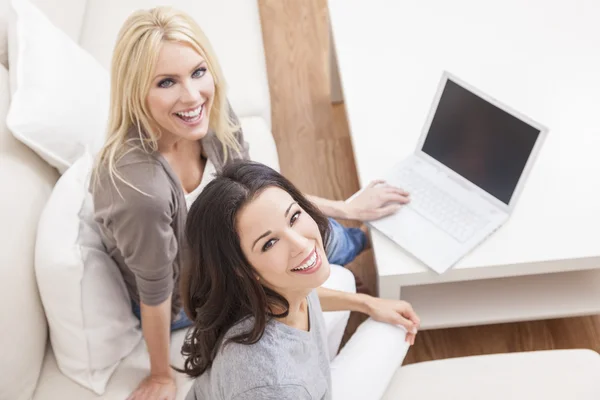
<point>480,141</point>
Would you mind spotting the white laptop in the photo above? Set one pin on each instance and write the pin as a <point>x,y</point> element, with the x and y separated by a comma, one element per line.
<point>464,177</point>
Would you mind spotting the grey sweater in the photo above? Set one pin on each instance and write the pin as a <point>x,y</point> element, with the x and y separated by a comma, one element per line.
<point>144,233</point>
<point>285,364</point>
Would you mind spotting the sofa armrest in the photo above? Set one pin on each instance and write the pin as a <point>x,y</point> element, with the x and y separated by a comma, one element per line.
<point>340,279</point>
<point>26,182</point>
<point>366,365</point>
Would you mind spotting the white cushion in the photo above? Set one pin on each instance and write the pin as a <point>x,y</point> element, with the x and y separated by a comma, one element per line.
<point>54,385</point>
<point>232,26</point>
<point>61,94</point>
<point>87,305</point>
<point>260,140</point>
<point>557,374</point>
<point>26,183</point>
<point>66,14</point>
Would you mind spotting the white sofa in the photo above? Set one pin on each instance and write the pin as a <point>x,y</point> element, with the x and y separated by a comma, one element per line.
<point>27,365</point>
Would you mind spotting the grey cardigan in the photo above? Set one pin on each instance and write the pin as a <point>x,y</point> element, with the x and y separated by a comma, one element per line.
<point>144,233</point>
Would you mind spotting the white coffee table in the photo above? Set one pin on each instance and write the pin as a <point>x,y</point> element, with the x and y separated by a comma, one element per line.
<point>540,57</point>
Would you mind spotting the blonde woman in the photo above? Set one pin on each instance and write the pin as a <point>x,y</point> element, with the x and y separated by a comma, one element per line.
<point>170,129</point>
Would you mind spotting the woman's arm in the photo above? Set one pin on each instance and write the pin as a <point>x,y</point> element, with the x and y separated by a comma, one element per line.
<point>141,225</point>
<point>331,208</point>
<point>337,300</point>
<point>395,312</point>
<point>377,200</point>
<point>156,326</point>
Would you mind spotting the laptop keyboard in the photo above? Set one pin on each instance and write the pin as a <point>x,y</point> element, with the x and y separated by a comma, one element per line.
<point>439,207</point>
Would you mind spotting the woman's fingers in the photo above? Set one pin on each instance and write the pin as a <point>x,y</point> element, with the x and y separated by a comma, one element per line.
<point>400,191</point>
<point>394,197</point>
<point>412,338</point>
<point>407,324</point>
<point>414,318</point>
<point>393,189</point>
<point>375,183</point>
<point>410,314</point>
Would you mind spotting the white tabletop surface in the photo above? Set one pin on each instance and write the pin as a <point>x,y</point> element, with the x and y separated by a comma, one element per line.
<point>540,57</point>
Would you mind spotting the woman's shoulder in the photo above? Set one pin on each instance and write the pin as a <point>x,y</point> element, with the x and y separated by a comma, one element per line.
<point>261,354</point>
<point>137,175</point>
<point>135,158</point>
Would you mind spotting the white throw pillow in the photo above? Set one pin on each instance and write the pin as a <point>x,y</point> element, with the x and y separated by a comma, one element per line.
<point>85,299</point>
<point>262,147</point>
<point>60,92</point>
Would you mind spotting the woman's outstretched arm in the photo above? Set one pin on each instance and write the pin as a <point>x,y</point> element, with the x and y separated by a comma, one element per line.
<point>377,200</point>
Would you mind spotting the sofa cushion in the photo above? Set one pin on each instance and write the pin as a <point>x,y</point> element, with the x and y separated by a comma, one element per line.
<point>26,183</point>
<point>61,93</point>
<point>87,304</point>
<point>260,140</point>
<point>232,26</point>
<point>54,385</point>
<point>66,14</point>
<point>557,374</point>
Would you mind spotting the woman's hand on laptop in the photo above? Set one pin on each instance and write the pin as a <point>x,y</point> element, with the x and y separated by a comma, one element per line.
<point>377,200</point>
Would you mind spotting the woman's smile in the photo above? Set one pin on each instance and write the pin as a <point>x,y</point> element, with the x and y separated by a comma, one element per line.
<point>311,263</point>
<point>191,116</point>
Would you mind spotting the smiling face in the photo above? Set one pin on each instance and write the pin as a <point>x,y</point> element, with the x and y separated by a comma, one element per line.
<point>181,93</point>
<point>282,243</point>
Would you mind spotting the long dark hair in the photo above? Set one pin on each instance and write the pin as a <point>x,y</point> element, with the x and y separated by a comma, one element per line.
<point>218,284</point>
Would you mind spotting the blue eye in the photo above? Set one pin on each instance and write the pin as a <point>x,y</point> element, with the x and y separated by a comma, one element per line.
<point>166,83</point>
<point>199,73</point>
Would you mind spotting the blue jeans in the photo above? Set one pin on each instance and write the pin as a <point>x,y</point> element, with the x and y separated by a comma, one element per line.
<point>344,244</point>
<point>182,320</point>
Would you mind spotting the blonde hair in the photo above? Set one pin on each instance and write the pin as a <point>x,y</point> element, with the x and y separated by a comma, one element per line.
<point>133,63</point>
